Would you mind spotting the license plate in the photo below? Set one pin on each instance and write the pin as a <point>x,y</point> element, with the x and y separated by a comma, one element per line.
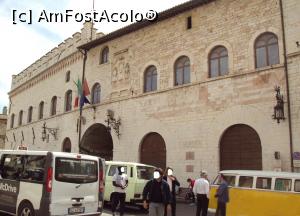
<point>76,210</point>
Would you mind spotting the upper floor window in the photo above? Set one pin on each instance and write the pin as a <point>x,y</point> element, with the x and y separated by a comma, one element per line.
<point>150,79</point>
<point>104,55</point>
<point>41,110</point>
<point>68,76</point>
<point>68,101</point>
<point>182,70</point>
<point>20,117</point>
<point>218,62</point>
<point>96,93</point>
<point>29,117</point>
<point>53,106</point>
<point>266,50</point>
<point>12,120</point>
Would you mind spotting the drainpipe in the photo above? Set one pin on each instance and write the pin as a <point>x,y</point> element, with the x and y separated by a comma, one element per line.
<point>287,85</point>
<point>84,52</point>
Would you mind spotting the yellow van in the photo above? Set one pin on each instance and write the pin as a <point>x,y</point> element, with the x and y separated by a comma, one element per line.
<point>260,193</point>
<point>138,175</point>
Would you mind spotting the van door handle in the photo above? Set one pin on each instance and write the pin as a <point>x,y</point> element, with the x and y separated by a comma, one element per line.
<point>77,199</point>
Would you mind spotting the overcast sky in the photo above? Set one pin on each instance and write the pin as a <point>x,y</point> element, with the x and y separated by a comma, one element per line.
<point>22,44</point>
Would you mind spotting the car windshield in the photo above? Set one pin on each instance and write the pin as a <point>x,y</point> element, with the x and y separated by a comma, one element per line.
<point>75,170</point>
<point>145,172</point>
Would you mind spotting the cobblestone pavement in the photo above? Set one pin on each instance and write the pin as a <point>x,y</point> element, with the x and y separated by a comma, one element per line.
<point>183,209</point>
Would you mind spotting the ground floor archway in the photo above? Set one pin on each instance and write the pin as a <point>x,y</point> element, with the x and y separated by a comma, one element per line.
<point>97,141</point>
<point>153,150</point>
<point>240,148</point>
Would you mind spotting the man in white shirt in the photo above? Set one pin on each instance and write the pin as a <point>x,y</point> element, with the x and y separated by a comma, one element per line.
<point>120,183</point>
<point>201,191</point>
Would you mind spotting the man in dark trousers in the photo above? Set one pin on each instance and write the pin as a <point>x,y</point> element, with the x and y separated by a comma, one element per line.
<point>120,183</point>
<point>201,190</point>
<point>172,182</point>
<point>157,194</point>
<point>223,196</point>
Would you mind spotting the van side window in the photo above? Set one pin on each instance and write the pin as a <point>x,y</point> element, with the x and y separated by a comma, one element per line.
<point>246,181</point>
<point>34,168</point>
<point>145,172</point>
<point>263,183</point>
<point>283,184</point>
<point>113,169</point>
<point>12,167</point>
<point>297,185</point>
<point>230,180</point>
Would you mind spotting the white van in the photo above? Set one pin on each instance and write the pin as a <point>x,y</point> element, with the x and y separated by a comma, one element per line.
<point>41,183</point>
<point>138,175</point>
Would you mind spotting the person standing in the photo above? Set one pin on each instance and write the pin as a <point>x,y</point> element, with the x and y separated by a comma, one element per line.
<point>157,193</point>
<point>201,191</point>
<point>120,183</point>
<point>172,182</point>
<point>223,196</point>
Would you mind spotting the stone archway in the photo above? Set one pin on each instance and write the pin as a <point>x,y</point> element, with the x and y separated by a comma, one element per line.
<point>97,141</point>
<point>67,146</point>
<point>153,150</point>
<point>240,148</point>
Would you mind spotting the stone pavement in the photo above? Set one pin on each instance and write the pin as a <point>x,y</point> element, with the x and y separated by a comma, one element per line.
<point>183,209</point>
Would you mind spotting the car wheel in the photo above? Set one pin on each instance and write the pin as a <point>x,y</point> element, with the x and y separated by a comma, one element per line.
<point>26,209</point>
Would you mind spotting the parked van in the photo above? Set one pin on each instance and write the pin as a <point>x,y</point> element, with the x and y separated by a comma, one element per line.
<point>138,175</point>
<point>260,193</point>
<point>41,183</point>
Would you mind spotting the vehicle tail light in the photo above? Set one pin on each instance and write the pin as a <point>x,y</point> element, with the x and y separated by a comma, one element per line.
<point>49,180</point>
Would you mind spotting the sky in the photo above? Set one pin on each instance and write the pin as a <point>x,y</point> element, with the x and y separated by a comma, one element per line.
<point>22,43</point>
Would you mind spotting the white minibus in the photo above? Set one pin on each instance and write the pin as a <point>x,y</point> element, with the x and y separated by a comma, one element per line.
<point>138,175</point>
<point>41,183</point>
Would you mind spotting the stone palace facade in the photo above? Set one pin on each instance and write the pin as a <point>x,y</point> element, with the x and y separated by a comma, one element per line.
<point>193,90</point>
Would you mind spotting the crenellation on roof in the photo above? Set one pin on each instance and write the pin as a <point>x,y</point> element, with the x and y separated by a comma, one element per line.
<point>63,50</point>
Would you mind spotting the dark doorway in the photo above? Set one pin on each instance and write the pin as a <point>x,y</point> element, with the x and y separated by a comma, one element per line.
<point>153,150</point>
<point>97,141</point>
<point>67,147</point>
<point>240,148</point>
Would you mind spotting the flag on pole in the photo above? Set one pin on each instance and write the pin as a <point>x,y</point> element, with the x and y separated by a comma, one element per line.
<point>82,92</point>
<point>79,92</point>
<point>85,92</point>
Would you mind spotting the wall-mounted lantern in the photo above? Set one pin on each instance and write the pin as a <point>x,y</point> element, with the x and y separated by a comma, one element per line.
<point>112,122</point>
<point>52,131</point>
<point>279,107</point>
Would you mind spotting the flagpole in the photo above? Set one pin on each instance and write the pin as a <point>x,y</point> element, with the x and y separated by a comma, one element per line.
<point>80,106</point>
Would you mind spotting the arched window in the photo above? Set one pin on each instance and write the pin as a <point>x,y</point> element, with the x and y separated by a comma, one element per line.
<point>67,147</point>
<point>41,110</point>
<point>20,118</point>
<point>96,93</point>
<point>29,117</point>
<point>53,106</point>
<point>150,79</point>
<point>104,55</point>
<point>68,101</point>
<point>68,76</point>
<point>218,62</point>
<point>182,70</point>
<point>266,50</point>
<point>12,120</point>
